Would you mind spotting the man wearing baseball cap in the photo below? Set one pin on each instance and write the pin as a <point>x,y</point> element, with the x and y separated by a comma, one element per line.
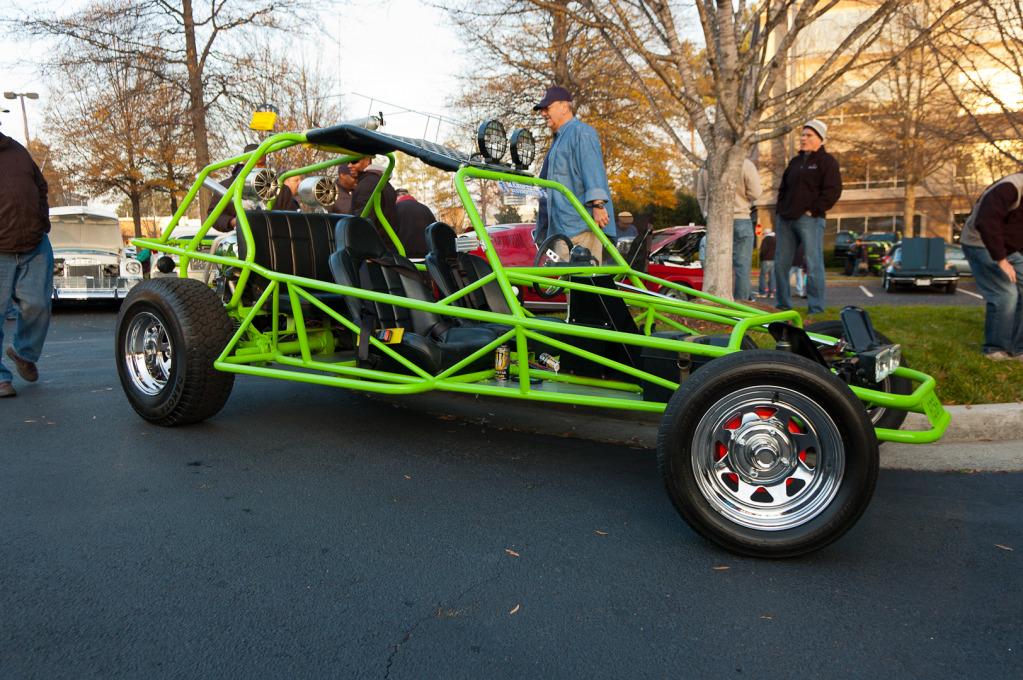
<point>811,186</point>
<point>576,161</point>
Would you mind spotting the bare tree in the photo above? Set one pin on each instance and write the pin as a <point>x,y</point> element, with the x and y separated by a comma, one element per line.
<point>983,67</point>
<point>179,41</point>
<point>304,95</point>
<point>521,48</point>
<point>757,95</point>
<point>908,129</point>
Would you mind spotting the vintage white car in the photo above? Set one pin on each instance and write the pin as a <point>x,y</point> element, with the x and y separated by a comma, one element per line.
<point>89,261</point>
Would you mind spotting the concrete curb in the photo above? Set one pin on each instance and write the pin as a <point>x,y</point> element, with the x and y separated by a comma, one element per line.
<point>986,438</point>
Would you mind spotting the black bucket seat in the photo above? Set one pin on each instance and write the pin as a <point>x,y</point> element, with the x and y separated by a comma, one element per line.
<point>430,341</point>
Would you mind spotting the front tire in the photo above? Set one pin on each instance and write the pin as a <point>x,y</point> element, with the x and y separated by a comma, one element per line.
<point>767,454</point>
<point>169,333</point>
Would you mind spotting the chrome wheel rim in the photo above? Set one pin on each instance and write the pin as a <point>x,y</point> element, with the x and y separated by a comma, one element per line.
<point>148,353</point>
<point>768,458</point>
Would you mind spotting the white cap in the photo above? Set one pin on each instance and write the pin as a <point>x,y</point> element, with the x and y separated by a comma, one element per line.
<point>818,126</point>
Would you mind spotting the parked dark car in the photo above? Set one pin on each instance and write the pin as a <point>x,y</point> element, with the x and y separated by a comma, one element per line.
<point>844,241</point>
<point>919,263</point>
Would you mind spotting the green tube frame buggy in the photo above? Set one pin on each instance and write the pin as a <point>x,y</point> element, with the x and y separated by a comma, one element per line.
<point>768,452</point>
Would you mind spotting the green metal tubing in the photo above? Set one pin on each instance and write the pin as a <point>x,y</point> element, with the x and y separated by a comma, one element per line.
<point>345,369</point>
<point>696,311</point>
<point>355,329</point>
<point>555,397</point>
<point>296,311</point>
<point>488,246</point>
<point>272,288</point>
<point>474,286</point>
<point>731,304</point>
<point>735,341</point>
<point>604,361</point>
<point>570,379</point>
<point>475,356</point>
<point>671,322</point>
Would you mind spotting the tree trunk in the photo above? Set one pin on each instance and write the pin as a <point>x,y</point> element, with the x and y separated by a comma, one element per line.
<point>908,210</point>
<point>135,197</point>
<point>724,172</point>
<point>559,31</point>
<point>197,104</point>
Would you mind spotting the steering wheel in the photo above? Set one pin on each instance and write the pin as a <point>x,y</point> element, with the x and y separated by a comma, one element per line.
<point>554,250</point>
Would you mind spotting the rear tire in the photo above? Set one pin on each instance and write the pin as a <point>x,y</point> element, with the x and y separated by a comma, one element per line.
<point>169,333</point>
<point>891,419</point>
<point>951,288</point>
<point>767,454</point>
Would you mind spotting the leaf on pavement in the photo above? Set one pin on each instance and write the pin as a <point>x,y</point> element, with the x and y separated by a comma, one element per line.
<point>511,552</point>
<point>600,533</point>
<point>768,617</point>
<point>721,567</point>
<point>407,476</point>
<point>515,609</point>
<point>1003,547</point>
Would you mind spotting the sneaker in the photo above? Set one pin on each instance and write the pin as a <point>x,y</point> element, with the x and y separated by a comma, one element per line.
<point>7,389</point>
<point>997,355</point>
<point>26,369</point>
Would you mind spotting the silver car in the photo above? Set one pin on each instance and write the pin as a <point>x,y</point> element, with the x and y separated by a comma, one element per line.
<point>89,260</point>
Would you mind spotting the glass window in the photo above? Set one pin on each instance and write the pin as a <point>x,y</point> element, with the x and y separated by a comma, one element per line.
<point>853,224</point>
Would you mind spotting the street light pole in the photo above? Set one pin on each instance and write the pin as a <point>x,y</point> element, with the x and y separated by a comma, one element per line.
<point>24,115</point>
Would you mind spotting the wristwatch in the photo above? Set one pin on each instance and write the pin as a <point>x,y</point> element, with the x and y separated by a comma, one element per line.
<point>597,204</point>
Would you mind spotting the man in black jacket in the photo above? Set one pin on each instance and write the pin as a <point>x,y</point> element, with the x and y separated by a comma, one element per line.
<point>26,260</point>
<point>811,186</point>
<point>366,178</point>
<point>992,242</point>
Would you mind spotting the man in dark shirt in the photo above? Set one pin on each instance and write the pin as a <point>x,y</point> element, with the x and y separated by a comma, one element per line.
<point>811,186</point>
<point>367,177</point>
<point>413,219</point>
<point>26,261</point>
<point>992,242</point>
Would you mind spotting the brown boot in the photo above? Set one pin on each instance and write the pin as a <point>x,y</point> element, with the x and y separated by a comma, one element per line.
<point>7,389</point>
<point>26,369</point>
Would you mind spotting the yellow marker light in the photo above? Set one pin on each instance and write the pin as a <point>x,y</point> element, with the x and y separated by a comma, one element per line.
<point>263,120</point>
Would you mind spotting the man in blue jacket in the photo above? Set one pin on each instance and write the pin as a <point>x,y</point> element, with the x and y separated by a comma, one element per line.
<point>576,161</point>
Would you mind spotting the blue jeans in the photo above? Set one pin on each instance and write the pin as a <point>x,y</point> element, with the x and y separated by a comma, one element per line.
<point>810,232</point>
<point>742,259</point>
<point>26,279</point>
<point>766,282</point>
<point>1003,314</point>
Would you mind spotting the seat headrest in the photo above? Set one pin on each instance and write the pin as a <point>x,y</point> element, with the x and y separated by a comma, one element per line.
<point>359,238</point>
<point>440,239</point>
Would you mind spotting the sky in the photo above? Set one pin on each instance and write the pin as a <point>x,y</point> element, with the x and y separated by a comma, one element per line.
<point>396,55</point>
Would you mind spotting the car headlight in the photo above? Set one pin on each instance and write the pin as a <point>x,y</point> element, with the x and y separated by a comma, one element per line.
<point>492,140</point>
<point>58,268</point>
<point>523,148</point>
<point>133,267</point>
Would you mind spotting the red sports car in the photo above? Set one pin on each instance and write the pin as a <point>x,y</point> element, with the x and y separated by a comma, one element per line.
<point>674,255</point>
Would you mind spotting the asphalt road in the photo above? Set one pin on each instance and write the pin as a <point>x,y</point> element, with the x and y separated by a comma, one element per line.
<point>310,532</point>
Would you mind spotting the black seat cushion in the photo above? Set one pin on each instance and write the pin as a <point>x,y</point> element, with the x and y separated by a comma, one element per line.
<point>291,242</point>
<point>430,341</point>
